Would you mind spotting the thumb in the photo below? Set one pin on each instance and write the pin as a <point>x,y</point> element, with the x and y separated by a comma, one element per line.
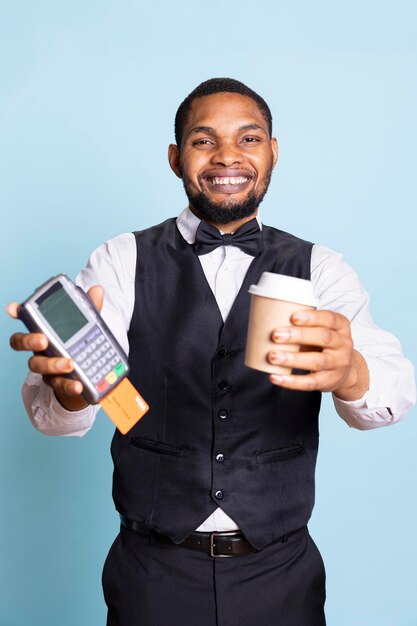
<point>96,294</point>
<point>12,309</point>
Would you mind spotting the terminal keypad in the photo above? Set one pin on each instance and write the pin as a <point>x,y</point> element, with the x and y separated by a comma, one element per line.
<point>96,357</point>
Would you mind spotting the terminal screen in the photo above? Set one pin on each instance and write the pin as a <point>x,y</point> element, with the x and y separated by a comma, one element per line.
<point>61,312</point>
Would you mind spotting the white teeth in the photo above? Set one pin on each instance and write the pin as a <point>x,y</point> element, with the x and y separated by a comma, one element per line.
<point>225,180</point>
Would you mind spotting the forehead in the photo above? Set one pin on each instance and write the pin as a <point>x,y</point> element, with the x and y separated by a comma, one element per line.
<point>224,111</point>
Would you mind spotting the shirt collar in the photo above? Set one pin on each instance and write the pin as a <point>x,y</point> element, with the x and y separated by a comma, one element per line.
<point>187,224</point>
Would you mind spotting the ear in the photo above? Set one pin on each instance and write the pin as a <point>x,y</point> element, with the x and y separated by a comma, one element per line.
<point>174,159</point>
<point>274,148</point>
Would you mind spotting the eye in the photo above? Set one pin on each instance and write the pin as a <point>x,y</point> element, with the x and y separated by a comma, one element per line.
<point>251,140</point>
<point>202,142</point>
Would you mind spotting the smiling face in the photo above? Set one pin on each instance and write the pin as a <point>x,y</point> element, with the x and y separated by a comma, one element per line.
<point>225,159</point>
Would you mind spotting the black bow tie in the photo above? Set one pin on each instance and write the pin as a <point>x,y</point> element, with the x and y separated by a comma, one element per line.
<point>247,238</point>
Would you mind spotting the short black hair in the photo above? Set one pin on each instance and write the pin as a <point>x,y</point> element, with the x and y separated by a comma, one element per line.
<point>210,87</point>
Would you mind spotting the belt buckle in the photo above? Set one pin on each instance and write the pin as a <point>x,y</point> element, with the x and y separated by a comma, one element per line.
<point>215,534</point>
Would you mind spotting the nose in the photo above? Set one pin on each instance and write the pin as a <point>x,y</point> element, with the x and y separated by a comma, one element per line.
<point>227,154</point>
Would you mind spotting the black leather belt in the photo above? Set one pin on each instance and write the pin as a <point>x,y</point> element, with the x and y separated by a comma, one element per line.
<point>217,544</point>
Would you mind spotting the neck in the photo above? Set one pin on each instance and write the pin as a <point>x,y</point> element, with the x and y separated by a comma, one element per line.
<point>230,227</point>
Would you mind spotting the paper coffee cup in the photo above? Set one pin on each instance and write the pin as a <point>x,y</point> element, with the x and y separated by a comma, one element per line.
<point>273,300</point>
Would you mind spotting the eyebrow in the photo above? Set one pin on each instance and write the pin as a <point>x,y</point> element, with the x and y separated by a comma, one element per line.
<point>203,129</point>
<point>252,127</point>
<point>212,131</point>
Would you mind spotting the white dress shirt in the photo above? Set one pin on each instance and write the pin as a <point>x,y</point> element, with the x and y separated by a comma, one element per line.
<point>336,286</point>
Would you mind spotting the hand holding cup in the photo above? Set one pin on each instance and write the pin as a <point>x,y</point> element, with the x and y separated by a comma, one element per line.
<point>286,332</point>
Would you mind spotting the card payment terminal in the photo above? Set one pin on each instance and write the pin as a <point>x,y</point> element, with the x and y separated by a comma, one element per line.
<point>74,329</point>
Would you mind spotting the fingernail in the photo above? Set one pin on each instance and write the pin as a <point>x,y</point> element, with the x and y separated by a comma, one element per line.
<point>277,357</point>
<point>62,364</point>
<point>77,387</point>
<point>281,335</point>
<point>37,344</point>
<point>301,317</point>
<point>277,379</point>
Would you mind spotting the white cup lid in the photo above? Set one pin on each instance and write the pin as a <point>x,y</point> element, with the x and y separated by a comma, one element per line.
<point>288,288</point>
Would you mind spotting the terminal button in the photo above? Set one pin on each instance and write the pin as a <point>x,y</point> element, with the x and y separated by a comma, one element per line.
<point>111,378</point>
<point>120,369</point>
<point>102,386</point>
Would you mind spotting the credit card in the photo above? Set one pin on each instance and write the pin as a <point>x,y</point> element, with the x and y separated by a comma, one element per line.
<point>124,405</point>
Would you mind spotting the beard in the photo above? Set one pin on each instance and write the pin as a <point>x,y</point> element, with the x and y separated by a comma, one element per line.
<point>226,211</point>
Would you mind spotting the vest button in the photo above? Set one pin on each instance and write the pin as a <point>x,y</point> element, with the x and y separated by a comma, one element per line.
<point>223,351</point>
<point>222,415</point>
<point>220,458</point>
<point>223,385</point>
<point>219,494</point>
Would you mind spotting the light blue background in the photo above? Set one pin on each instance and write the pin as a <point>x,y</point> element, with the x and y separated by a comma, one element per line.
<point>88,93</point>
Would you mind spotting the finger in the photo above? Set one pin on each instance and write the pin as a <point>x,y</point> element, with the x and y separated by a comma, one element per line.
<point>32,341</point>
<point>50,365</point>
<point>310,361</point>
<point>96,293</point>
<point>312,317</point>
<point>65,386</point>
<point>322,381</point>
<point>12,309</point>
<point>318,336</point>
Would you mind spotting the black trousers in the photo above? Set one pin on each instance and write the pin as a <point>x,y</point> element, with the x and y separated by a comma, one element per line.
<point>152,584</point>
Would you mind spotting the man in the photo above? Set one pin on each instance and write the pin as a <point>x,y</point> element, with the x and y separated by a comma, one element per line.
<point>223,463</point>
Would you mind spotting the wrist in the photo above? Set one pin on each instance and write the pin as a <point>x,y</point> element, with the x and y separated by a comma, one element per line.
<point>356,383</point>
<point>71,403</point>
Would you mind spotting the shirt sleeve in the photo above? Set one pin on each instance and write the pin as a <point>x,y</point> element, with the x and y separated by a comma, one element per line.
<point>392,390</point>
<point>112,266</point>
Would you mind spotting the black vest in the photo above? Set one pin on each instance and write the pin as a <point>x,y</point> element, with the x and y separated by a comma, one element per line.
<point>217,433</point>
